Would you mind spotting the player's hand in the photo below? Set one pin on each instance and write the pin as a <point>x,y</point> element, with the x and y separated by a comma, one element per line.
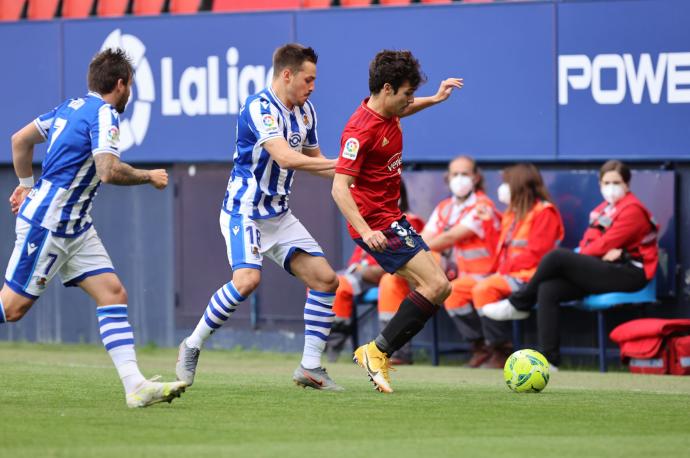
<point>17,198</point>
<point>446,87</point>
<point>375,240</point>
<point>612,255</point>
<point>158,178</point>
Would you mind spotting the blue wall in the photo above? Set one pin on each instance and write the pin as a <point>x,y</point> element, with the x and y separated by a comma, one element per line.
<point>543,80</point>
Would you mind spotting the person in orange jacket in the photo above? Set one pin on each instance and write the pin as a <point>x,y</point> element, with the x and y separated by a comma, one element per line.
<point>361,274</point>
<point>465,242</point>
<point>618,252</point>
<point>530,228</point>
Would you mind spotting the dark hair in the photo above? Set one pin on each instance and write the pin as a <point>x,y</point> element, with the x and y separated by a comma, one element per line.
<point>615,166</point>
<point>526,187</point>
<point>106,68</point>
<point>394,68</point>
<point>292,56</point>
<point>479,186</point>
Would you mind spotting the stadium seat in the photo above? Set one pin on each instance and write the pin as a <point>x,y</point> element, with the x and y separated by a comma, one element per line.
<point>354,3</point>
<point>42,10</point>
<point>109,8</point>
<point>184,6</point>
<point>11,10</point>
<point>224,6</point>
<point>441,1</point>
<point>77,8</point>
<point>395,2</point>
<point>147,7</point>
<point>316,3</point>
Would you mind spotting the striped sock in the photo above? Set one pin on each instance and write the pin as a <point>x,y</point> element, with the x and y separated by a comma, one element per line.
<point>318,318</point>
<point>219,308</point>
<point>118,339</point>
<point>3,318</point>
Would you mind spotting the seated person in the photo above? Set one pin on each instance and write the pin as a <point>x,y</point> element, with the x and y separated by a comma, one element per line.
<point>618,252</point>
<point>530,228</point>
<point>463,229</point>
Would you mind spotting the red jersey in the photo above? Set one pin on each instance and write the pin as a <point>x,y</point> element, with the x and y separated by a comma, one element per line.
<point>371,151</point>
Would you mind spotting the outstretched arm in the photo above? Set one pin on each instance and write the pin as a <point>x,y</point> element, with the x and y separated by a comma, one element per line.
<point>23,142</point>
<point>112,171</point>
<point>287,158</point>
<point>443,93</point>
<point>343,199</point>
<point>316,152</point>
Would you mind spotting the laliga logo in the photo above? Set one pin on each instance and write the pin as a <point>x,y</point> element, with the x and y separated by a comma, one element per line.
<point>133,130</point>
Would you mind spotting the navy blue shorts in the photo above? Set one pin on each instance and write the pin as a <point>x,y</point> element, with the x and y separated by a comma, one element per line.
<point>403,244</point>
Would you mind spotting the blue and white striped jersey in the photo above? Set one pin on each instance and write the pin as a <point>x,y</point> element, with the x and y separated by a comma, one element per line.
<point>258,186</point>
<point>76,130</point>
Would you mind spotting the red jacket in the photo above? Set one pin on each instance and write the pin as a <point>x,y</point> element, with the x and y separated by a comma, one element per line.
<point>629,226</point>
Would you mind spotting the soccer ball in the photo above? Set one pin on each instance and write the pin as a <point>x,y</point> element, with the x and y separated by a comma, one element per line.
<point>526,371</point>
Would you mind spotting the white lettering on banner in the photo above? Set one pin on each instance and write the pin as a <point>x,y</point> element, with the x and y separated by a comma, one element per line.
<point>199,87</point>
<point>578,72</point>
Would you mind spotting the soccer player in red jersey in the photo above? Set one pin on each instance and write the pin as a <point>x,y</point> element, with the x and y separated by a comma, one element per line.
<point>366,188</point>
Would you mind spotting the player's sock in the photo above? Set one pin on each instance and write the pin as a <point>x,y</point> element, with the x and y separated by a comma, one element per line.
<point>3,318</point>
<point>118,339</point>
<point>318,318</point>
<point>219,308</point>
<point>415,310</point>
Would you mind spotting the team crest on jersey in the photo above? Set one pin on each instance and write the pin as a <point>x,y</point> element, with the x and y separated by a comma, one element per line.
<point>269,121</point>
<point>351,149</point>
<point>305,118</point>
<point>114,136</point>
<point>384,142</point>
<point>295,140</point>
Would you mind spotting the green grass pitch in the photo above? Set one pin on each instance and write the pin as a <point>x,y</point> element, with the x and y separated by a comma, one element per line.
<point>66,401</point>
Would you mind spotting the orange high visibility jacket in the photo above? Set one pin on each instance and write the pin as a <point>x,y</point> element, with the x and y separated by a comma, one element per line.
<point>522,244</point>
<point>474,254</point>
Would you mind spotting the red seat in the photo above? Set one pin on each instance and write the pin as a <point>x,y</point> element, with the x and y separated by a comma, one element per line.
<point>42,9</point>
<point>11,10</point>
<point>112,7</point>
<point>394,2</point>
<point>316,3</point>
<point>445,1</point>
<point>254,5</point>
<point>184,6</point>
<point>77,8</point>
<point>147,7</point>
<point>354,3</point>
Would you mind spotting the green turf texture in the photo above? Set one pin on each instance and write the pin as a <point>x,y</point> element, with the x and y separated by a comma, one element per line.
<point>66,401</point>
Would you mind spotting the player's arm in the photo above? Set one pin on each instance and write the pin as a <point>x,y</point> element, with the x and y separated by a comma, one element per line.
<point>443,93</point>
<point>112,171</point>
<point>23,142</point>
<point>343,199</point>
<point>287,158</point>
<point>316,152</point>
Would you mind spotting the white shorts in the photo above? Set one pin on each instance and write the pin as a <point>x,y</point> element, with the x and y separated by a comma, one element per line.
<point>249,240</point>
<point>38,255</point>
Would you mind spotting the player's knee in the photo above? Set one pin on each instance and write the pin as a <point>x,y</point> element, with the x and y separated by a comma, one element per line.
<point>15,312</point>
<point>329,282</point>
<point>444,290</point>
<point>246,281</point>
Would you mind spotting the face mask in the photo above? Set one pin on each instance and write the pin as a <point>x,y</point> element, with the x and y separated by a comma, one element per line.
<point>461,185</point>
<point>504,193</point>
<point>612,193</point>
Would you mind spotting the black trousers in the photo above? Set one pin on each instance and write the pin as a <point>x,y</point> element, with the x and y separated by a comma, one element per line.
<point>564,276</point>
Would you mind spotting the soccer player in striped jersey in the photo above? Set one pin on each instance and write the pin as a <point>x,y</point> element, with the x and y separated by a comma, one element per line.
<point>366,188</point>
<point>276,135</point>
<point>54,228</point>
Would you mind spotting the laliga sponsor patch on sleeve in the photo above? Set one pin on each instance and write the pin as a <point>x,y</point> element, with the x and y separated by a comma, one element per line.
<point>269,122</point>
<point>114,136</point>
<point>350,149</point>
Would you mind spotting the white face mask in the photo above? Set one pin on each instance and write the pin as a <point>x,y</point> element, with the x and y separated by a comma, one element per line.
<point>612,193</point>
<point>461,185</point>
<point>504,193</point>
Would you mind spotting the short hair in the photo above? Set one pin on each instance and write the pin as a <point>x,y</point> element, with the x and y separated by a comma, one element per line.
<point>394,68</point>
<point>293,56</point>
<point>616,166</point>
<point>106,68</point>
<point>479,186</point>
